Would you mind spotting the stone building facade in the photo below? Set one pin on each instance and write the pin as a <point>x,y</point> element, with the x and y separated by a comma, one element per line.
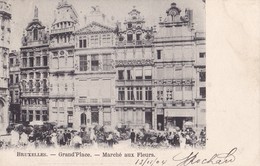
<point>177,63</point>
<point>5,30</point>
<point>111,73</point>
<point>14,87</point>
<point>62,62</point>
<point>95,71</point>
<point>34,71</point>
<point>134,68</point>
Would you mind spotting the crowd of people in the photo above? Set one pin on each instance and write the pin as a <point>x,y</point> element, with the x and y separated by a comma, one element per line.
<point>176,139</point>
<point>99,137</point>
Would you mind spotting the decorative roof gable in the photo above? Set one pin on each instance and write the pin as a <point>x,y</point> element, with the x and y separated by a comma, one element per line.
<point>95,27</point>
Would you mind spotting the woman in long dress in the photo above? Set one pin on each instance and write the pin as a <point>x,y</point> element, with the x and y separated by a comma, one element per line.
<point>14,138</point>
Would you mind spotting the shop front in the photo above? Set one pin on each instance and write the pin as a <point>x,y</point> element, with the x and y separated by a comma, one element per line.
<point>178,117</point>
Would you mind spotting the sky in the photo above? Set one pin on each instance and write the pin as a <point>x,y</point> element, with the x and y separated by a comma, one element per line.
<point>22,12</point>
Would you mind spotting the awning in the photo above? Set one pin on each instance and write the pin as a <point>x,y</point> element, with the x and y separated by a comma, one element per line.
<point>148,72</point>
<point>179,112</point>
<point>138,73</point>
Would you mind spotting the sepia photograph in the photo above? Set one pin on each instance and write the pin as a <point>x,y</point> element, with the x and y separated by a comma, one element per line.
<point>129,82</point>
<point>80,76</point>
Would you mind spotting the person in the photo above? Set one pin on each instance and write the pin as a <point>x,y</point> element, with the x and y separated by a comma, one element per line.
<point>68,137</point>
<point>176,140</point>
<point>14,138</point>
<point>61,138</point>
<point>132,136</point>
<point>110,139</point>
<point>54,139</point>
<point>77,141</point>
<point>24,139</point>
<point>170,138</point>
<point>92,136</point>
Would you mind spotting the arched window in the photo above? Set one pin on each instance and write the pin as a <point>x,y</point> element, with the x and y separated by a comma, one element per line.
<point>35,34</point>
<point>83,119</point>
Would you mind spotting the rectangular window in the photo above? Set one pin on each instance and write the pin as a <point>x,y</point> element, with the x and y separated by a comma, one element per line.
<point>202,55</point>
<point>139,74</point>
<point>94,115</point>
<point>38,61</point>
<point>148,93</point>
<point>202,76</point>
<point>203,92</point>
<point>83,63</point>
<point>107,116</point>
<point>38,115</point>
<point>107,65</point>
<point>169,94</point>
<point>94,40</point>
<point>120,74</point>
<point>129,75</point>
<point>130,93</point>
<point>139,93</point>
<point>85,43</point>
<point>44,115</point>
<point>121,93</point>
<point>31,62</point>
<point>148,74</point>
<point>44,85</point>
<point>24,115</point>
<point>160,95</point>
<point>70,119</point>
<point>94,62</point>
<point>11,61</point>
<point>159,54</point>
<point>11,79</point>
<point>45,61</point>
<point>24,62</point>
<point>80,43</point>
<point>106,39</point>
<point>16,78</point>
<point>30,115</point>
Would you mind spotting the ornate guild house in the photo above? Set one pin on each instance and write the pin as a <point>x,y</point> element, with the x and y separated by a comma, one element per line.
<point>105,72</point>
<point>5,30</point>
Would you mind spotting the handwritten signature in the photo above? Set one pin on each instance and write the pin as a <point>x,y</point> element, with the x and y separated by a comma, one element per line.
<point>218,158</point>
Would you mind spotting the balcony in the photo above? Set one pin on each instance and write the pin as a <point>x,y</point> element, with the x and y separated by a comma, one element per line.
<point>34,107</point>
<point>134,82</point>
<point>62,95</point>
<point>135,103</point>
<point>83,100</point>
<point>35,43</point>
<point>34,94</point>
<point>63,30</point>
<point>133,43</point>
<point>173,39</point>
<point>188,81</point>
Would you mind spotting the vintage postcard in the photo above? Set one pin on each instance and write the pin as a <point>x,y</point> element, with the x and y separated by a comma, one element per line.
<point>128,82</point>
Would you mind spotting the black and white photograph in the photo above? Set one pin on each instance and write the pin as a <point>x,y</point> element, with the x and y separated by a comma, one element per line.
<point>81,77</point>
<point>117,76</point>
